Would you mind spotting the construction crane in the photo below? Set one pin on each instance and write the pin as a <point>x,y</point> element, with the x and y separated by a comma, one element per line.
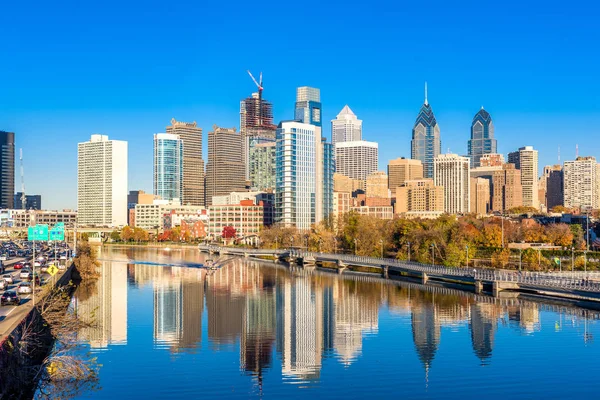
<point>23,198</point>
<point>260,89</point>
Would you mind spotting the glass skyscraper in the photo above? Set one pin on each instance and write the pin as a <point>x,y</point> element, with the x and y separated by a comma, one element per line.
<point>328,171</point>
<point>7,169</point>
<point>168,166</point>
<point>308,105</point>
<point>261,162</point>
<point>482,137</point>
<point>426,143</point>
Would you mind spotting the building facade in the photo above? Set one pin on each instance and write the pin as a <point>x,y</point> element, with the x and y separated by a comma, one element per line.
<point>193,163</point>
<point>381,212</point>
<point>507,192</point>
<point>168,166</point>
<point>25,218</point>
<point>419,197</point>
<point>262,164</point>
<point>491,160</point>
<point>452,172</point>
<point>225,170</point>
<point>526,160</point>
<point>377,185</point>
<point>346,127</point>
<point>32,201</point>
<point>102,182</point>
<point>150,216</point>
<point>137,197</point>
<point>554,183</point>
<point>7,172</point>
<point>256,123</point>
<point>246,218</point>
<point>481,196</point>
<point>357,159</point>
<point>426,143</point>
<point>401,170</point>
<point>308,106</point>
<point>581,184</point>
<point>482,137</point>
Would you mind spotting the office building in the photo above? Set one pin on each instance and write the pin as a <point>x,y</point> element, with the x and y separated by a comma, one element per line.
<point>24,218</point>
<point>346,127</point>
<point>426,143</point>
<point>342,183</point>
<point>341,204</point>
<point>401,170</point>
<point>193,164</point>
<point>507,192</point>
<point>137,197</point>
<point>452,172</point>
<point>419,198</point>
<point>357,159</point>
<point>377,185</point>
<point>381,212</point>
<point>267,200</point>
<point>7,172</point>
<point>102,182</point>
<point>296,174</point>
<point>526,160</point>
<point>581,184</point>
<point>246,218</point>
<point>262,164</point>
<point>482,137</point>
<point>256,124</point>
<point>32,201</point>
<point>553,180</point>
<point>150,216</point>
<point>168,166</point>
<point>225,167</point>
<point>481,196</point>
<point>491,160</point>
<point>327,171</point>
<point>308,106</point>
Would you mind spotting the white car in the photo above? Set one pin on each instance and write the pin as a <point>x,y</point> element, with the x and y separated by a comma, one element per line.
<point>37,264</point>
<point>41,258</point>
<point>24,274</point>
<point>8,278</point>
<point>3,257</point>
<point>3,284</point>
<point>24,288</point>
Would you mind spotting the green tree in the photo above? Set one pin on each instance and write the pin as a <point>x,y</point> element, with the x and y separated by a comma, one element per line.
<point>126,233</point>
<point>115,236</point>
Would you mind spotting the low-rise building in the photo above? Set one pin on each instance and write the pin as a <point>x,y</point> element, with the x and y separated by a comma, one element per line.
<point>419,197</point>
<point>246,218</point>
<point>25,218</point>
<point>150,216</point>
<point>384,212</point>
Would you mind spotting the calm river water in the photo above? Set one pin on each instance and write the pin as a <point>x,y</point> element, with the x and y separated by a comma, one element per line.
<point>167,329</point>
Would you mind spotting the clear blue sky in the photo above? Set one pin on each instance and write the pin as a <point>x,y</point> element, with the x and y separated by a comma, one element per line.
<point>72,68</point>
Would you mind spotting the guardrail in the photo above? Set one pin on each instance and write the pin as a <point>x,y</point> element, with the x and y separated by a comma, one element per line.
<point>575,281</point>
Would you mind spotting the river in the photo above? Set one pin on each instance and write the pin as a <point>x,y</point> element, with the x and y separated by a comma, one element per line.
<point>165,328</point>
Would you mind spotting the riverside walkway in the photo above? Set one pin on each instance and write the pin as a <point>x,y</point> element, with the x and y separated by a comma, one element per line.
<point>580,286</point>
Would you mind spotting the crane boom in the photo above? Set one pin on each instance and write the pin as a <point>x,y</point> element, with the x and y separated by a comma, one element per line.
<point>259,85</point>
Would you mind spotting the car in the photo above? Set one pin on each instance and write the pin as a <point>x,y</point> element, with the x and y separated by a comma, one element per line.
<point>62,267</point>
<point>24,288</point>
<point>44,268</point>
<point>18,266</point>
<point>8,278</point>
<point>10,297</point>
<point>24,274</point>
<point>3,284</point>
<point>3,257</point>
<point>37,279</point>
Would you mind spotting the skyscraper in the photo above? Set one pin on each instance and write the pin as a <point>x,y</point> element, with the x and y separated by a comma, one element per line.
<point>401,170</point>
<point>193,164</point>
<point>377,185</point>
<point>356,159</point>
<point>507,191</point>
<point>102,182</point>
<point>346,127</point>
<point>308,105</point>
<point>168,166</point>
<point>581,183</point>
<point>262,164</point>
<point>426,143</point>
<point>526,159</point>
<point>7,172</point>
<point>225,167</point>
<point>452,172</point>
<point>296,174</point>
<point>32,201</point>
<point>554,180</point>
<point>482,137</point>
<point>256,122</point>
<point>419,198</point>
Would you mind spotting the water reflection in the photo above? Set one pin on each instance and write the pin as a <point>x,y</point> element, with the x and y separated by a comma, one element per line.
<point>295,320</point>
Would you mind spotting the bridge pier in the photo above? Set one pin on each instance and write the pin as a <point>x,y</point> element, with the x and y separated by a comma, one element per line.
<point>478,287</point>
<point>341,270</point>
<point>424,278</point>
<point>384,271</point>
<point>498,286</point>
<point>246,255</point>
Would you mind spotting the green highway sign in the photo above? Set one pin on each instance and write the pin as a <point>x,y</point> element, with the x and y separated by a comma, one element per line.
<point>37,233</point>
<point>57,233</point>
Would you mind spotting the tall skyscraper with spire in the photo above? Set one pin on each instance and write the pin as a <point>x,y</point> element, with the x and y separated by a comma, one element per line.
<point>426,143</point>
<point>346,127</point>
<point>482,137</point>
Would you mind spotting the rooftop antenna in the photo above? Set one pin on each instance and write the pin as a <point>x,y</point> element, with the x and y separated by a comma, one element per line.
<point>23,198</point>
<point>426,102</point>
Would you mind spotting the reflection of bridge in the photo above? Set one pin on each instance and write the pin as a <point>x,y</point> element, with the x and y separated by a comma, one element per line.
<point>548,284</point>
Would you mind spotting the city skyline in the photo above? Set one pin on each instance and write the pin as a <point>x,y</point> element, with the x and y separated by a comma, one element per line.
<point>54,95</point>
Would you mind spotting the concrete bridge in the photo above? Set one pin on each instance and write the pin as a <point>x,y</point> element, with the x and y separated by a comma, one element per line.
<point>577,286</point>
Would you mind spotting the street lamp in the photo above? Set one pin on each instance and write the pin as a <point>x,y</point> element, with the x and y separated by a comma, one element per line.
<point>572,258</point>
<point>355,245</point>
<point>335,245</point>
<point>433,253</point>
<point>520,258</point>
<point>408,251</point>
<point>467,247</point>
<point>381,241</point>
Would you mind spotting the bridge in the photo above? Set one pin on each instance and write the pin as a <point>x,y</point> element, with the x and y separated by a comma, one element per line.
<point>575,286</point>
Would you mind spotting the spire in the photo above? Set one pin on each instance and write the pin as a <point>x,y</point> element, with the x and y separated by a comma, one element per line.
<point>426,102</point>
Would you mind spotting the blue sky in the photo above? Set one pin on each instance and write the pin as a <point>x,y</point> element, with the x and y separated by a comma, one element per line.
<point>72,68</point>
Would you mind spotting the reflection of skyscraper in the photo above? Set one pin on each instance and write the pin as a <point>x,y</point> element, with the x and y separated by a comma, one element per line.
<point>300,328</point>
<point>168,312</point>
<point>426,332</point>
<point>193,306</point>
<point>105,308</point>
<point>483,328</point>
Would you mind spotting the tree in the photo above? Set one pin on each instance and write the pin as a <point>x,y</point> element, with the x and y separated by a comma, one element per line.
<point>492,236</point>
<point>126,233</point>
<point>140,235</point>
<point>228,232</point>
<point>115,236</point>
<point>500,258</point>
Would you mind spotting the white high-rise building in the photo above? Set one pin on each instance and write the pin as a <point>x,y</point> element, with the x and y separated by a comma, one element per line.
<point>582,183</point>
<point>102,182</point>
<point>346,127</point>
<point>526,159</point>
<point>452,172</point>
<point>356,159</point>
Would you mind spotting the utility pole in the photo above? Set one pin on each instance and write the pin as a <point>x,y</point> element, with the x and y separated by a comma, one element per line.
<point>467,256</point>
<point>520,259</point>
